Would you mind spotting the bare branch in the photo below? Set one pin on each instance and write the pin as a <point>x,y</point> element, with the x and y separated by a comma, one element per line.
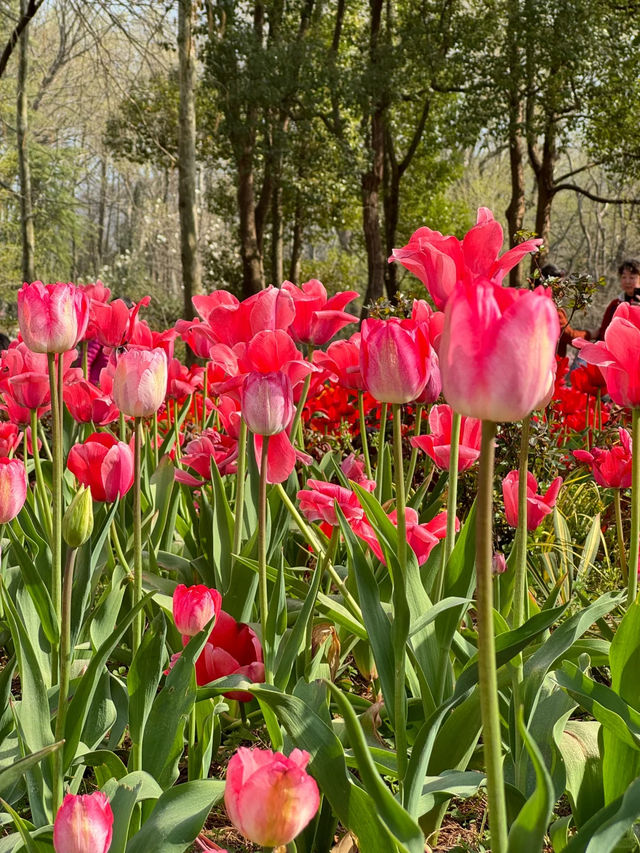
<point>582,191</point>
<point>32,8</point>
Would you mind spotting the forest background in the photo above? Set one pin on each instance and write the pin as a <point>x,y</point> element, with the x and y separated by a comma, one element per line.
<point>308,138</point>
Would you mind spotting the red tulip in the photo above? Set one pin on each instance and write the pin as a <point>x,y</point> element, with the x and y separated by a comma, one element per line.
<point>538,506</point>
<point>52,317</point>
<point>87,404</point>
<point>610,468</point>
<point>30,390</point>
<point>421,538</point>
<point>112,324</point>
<point>83,824</point>
<point>13,488</point>
<point>10,438</point>
<point>270,798</point>
<point>317,318</point>
<point>140,382</point>
<point>342,358</point>
<point>198,453</point>
<point>588,378</point>
<point>267,402</point>
<point>393,359</point>
<point>497,352</point>
<point>233,648</point>
<point>104,464</point>
<point>318,502</point>
<point>437,444</point>
<point>194,607</point>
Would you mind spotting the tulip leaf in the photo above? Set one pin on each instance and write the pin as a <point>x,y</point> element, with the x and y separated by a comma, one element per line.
<point>177,817</point>
<point>9,776</point>
<point>23,828</point>
<point>223,524</point>
<point>583,768</point>
<point>602,832</point>
<point>36,588</point>
<point>144,676</point>
<point>123,795</point>
<point>438,789</point>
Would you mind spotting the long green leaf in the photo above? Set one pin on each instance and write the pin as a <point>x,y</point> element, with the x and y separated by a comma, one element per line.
<point>604,830</point>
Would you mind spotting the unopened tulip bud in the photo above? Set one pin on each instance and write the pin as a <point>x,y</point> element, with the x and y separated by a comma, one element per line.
<point>498,563</point>
<point>77,524</point>
<point>13,488</point>
<point>52,317</point>
<point>83,824</point>
<point>140,382</point>
<point>194,607</point>
<point>267,402</point>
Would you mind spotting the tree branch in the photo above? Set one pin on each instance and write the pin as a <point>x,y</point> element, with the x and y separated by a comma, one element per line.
<point>576,189</point>
<point>32,8</point>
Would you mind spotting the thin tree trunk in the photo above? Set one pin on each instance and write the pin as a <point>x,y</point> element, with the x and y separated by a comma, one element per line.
<point>102,208</point>
<point>296,244</point>
<point>516,208</point>
<point>252,269</point>
<point>546,192</point>
<point>191,271</point>
<point>22,129</point>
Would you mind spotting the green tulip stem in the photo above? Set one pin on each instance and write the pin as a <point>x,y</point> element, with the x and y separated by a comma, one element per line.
<point>137,534</point>
<point>43,503</point>
<point>520,581</point>
<point>363,436</point>
<point>56,497</point>
<point>262,555</point>
<point>155,439</point>
<point>617,502</point>
<point>241,475</point>
<point>192,770</point>
<point>84,350</point>
<point>296,432</point>
<point>400,724</point>
<point>414,450</point>
<point>452,502</point>
<point>381,436</point>
<point>117,545</point>
<point>205,391</point>
<point>65,670</point>
<point>635,509</point>
<point>487,676</point>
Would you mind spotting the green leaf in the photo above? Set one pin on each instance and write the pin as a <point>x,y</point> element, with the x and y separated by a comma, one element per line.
<point>36,588</point>
<point>583,767</point>
<point>22,827</point>
<point>144,676</point>
<point>603,831</point>
<point>123,795</point>
<point>10,775</point>
<point>223,525</point>
<point>177,817</point>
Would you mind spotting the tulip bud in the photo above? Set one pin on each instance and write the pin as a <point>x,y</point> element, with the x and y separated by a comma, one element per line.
<point>52,317</point>
<point>140,382</point>
<point>194,607</point>
<point>77,524</point>
<point>83,824</point>
<point>13,488</point>
<point>267,402</point>
<point>498,563</point>
<point>394,357</point>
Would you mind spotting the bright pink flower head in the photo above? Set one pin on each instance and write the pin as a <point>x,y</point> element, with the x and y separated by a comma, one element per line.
<point>104,464</point>
<point>52,317</point>
<point>13,488</point>
<point>394,359</point>
<point>83,824</point>
<point>233,648</point>
<point>437,445</point>
<point>30,390</point>
<point>342,358</point>
<point>497,353</point>
<point>618,356</point>
<point>10,438</point>
<point>353,469</point>
<point>318,319</point>
<point>318,502</point>
<point>267,402</point>
<point>538,506</point>
<point>421,538</point>
<point>194,607</point>
<point>87,404</point>
<point>113,324</point>
<point>270,798</point>
<point>140,381</point>
<point>441,262</point>
<point>199,452</point>
<point>610,468</point>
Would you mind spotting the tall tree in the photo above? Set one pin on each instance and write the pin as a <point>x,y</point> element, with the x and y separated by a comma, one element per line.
<point>22,127</point>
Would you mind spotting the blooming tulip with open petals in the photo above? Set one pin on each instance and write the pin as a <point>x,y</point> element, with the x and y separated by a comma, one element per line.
<point>317,502</point>
<point>194,607</point>
<point>610,468</point>
<point>497,352</point>
<point>140,381</point>
<point>13,488</point>
<point>52,317</point>
<point>317,318</point>
<point>270,798</point>
<point>104,464</point>
<point>538,506</point>
<point>437,444</point>
<point>83,824</point>
<point>394,359</point>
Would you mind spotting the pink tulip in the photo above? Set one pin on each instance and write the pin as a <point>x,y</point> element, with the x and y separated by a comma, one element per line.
<point>538,506</point>
<point>441,262</point>
<point>270,798</point>
<point>267,402</point>
<point>342,358</point>
<point>10,438</point>
<point>112,324</point>
<point>199,452</point>
<point>87,404</point>
<point>104,464</point>
<point>497,352</point>
<point>52,317</point>
<point>233,648</point>
<point>421,538</point>
<point>317,318</point>
<point>394,359</point>
<point>13,488</point>
<point>318,502</point>
<point>610,468</point>
<point>437,444</point>
<point>140,381</point>
<point>498,563</point>
<point>353,469</point>
<point>618,356</point>
<point>194,607</point>
<point>83,824</point>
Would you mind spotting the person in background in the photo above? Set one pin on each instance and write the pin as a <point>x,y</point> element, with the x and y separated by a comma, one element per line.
<point>567,332</point>
<point>629,272</point>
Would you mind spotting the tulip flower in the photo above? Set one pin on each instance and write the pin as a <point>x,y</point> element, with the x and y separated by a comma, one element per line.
<point>610,468</point>
<point>199,452</point>
<point>421,538</point>
<point>112,324</point>
<point>588,378</point>
<point>88,404</point>
<point>13,488</point>
<point>393,359</point>
<point>104,464</point>
<point>318,502</point>
<point>270,798</point>
<point>10,438</point>
<point>538,506</point>
<point>497,351</point>
<point>140,382</point>
<point>317,318</point>
<point>52,317</point>
<point>342,358</point>
<point>194,607</point>
<point>267,402</point>
<point>437,444</point>
<point>83,824</point>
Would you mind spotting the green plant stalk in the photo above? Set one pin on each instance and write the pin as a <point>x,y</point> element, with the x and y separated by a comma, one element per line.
<point>137,534</point>
<point>414,450</point>
<point>191,754</point>
<point>617,502</point>
<point>56,497</point>
<point>43,438</point>
<point>241,475</point>
<point>400,654</point>
<point>452,503</point>
<point>599,408</point>
<point>41,498</point>
<point>117,545</point>
<point>321,566</point>
<point>205,390</point>
<point>632,586</point>
<point>155,439</point>
<point>487,675</point>
<point>296,424</point>
<point>381,437</point>
<point>65,671</point>
<point>84,349</point>
<point>262,554</point>
<point>363,436</point>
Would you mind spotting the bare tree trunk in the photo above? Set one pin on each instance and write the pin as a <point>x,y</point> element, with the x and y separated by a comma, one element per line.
<point>546,191</point>
<point>22,128</point>
<point>296,244</point>
<point>191,271</point>
<point>252,269</point>
<point>516,208</point>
